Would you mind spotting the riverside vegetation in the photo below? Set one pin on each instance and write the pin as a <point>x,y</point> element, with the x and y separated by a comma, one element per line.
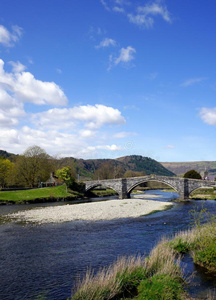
<point>159,276</point>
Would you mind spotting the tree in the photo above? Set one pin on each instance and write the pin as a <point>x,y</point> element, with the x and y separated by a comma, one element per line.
<point>33,166</point>
<point>6,172</point>
<point>192,174</point>
<point>65,175</point>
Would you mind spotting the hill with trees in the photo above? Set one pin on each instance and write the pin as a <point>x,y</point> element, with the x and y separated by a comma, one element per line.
<point>127,166</point>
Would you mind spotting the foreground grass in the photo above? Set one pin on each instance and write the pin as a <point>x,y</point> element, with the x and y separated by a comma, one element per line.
<point>200,242</point>
<point>157,277</point>
<point>22,196</point>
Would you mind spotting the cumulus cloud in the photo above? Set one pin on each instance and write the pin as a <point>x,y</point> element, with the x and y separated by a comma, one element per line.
<point>208,115</point>
<point>93,117</point>
<point>54,142</point>
<point>65,131</point>
<point>8,38</point>
<point>145,14</point>
<point>192,81</point>
<point>10,110</point>
<point>106,43</point>
<point>25,87</point>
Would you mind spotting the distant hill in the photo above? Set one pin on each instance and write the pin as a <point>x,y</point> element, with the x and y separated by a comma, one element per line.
<point>5,154</point>
<point>136,163</point>
<point>179,168</point>
<point>148,165</point>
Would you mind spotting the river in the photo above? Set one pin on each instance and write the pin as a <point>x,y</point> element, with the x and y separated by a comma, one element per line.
<point>44,261</point>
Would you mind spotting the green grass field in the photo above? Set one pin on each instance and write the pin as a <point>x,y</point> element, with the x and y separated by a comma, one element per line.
<point>23,196</point>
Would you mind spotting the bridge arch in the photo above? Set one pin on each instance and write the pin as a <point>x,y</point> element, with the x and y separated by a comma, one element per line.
<point>149,180</point>
<point>93,186</point>
<point>198,186</point>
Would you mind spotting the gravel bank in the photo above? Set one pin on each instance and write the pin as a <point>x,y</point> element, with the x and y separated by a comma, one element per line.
<point>105,210</point>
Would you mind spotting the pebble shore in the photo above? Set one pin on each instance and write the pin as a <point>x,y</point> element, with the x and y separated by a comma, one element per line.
<point>94,211</point>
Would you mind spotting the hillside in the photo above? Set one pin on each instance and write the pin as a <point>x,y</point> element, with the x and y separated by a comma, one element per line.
<point>144,164</point>
<point>180,168</point>
<point>87,168</point>
<point>136,163</point>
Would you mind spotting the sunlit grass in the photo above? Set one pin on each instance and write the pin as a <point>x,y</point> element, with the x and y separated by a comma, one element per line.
<point>21,196</point>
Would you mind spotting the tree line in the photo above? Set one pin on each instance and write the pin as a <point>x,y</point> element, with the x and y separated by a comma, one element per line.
<point>35,166</point>
<point>32,168</point>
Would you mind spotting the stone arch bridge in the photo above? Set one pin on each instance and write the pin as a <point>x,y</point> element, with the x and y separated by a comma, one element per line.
<point>124,186</point>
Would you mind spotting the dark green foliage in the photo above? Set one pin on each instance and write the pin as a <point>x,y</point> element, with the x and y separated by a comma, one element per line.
<point>207,256</point>
<point>160,287</point>
<point>180,246</point>
<point>192,174</point>
<point>130,281</point>
<point>5,154</point>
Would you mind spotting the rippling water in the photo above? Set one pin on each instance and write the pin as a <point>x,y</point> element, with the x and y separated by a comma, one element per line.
<point>44,261</point>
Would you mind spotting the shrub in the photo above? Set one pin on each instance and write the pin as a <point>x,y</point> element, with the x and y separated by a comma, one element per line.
<point>162,287</point>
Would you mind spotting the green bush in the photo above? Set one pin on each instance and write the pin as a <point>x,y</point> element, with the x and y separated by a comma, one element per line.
<point>129,281</point>
<point>180,246</point>
<point>160,287</point>
<point>206,255</point>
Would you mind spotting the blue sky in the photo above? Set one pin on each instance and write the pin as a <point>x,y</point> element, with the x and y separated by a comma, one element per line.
<point>109,78</point>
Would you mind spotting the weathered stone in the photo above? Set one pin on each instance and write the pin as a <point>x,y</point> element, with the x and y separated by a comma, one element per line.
<point>124,186</point>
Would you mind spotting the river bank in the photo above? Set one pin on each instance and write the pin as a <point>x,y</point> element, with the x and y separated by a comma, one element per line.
<point>94,211</point>
<point>52,256</point>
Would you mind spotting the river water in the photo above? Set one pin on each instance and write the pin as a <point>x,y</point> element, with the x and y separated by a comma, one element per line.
<point>44,261</point>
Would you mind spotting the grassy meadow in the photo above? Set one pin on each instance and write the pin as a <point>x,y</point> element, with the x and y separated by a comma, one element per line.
<point>23,196</point>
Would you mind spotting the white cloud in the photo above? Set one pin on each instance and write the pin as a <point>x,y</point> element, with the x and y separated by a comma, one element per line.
<point>192,81</point>
<point>104,2</point>
<point>17,67</point>
<point>54,142</point>
<point>126,55</point>
<point>26,88</point>
<point>8,38</point>
<point>145,14</point>
<point>123,134</point>
<point>10,110</point>
<point>208,115</point>
<point>75,131</point>
<point>93,117</point>
<point>106,43</point>
<point>118,9</point>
